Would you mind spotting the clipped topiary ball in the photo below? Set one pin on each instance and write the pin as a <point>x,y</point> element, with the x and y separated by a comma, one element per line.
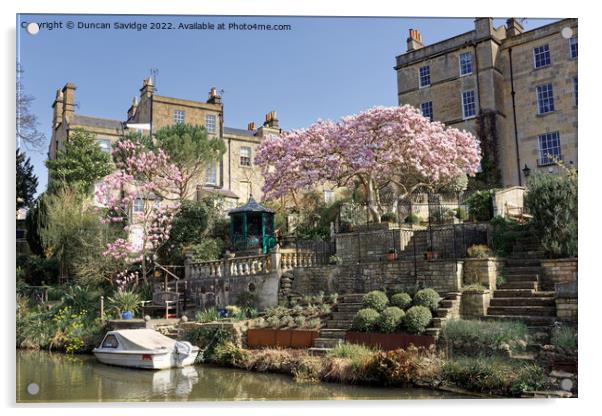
<point>401,300</point>
<point>427,298</point>
<point>417,319</point>
<point>390,319</point>
<point>376,300</point>
<point>365,320</point>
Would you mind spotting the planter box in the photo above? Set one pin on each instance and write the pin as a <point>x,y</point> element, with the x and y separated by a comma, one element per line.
<point>389,342</point>
<point>474,304</point>
<point>281,338</point>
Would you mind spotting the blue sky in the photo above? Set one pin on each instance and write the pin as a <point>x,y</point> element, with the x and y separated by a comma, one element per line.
<point>321,68</point>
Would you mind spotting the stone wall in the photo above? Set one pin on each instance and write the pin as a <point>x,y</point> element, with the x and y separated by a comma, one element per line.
<point>442,275</point>
<point>366,246</point>
<point>558,271</point>
<point>474,303</point>
<point>567,300</point>
<point>482,271</point>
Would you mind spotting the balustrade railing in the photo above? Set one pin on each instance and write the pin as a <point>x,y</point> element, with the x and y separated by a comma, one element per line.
<point>236,266</point>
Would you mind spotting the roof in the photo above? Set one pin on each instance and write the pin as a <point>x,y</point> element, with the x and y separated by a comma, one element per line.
<point>142,339</point>
<point>226,193</point>
<point>104,123</point>
<point>238,132</point>
<point>250,206</point>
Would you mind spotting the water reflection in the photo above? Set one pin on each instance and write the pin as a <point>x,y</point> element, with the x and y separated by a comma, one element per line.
<point>63,378</point>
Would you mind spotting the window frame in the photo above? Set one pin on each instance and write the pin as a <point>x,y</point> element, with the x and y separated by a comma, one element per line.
<point>240,160</point>
<point>573,40</point>
<point>214,122</point>
<point>550,99</point>
<point>474,104</point>
<point>460,63</point>
<point>176,118</point>
<point>211,167</point>
<point>135,207</point>
<point>546,51</point>
<point>576,91</point>
<point>430,105</point>
<point>546,138</point>
<point>420,76</point>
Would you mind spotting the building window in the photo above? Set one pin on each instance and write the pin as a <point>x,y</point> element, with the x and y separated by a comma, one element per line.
<point>575,90</point>
<point>138,205</point>
<point>211,174</point>
<point>425,76</point>
<point>549,148</point>
<point>178,116</point>
<point>541,55</point>
<point>469,108</point>
<point>104,144</point>
<point>245,156</point>
<point>427,109</point>
<point>545,99</point>
<point>328,196</point>
<point>465,63</point>
<point>573,45</point>
<point>210,123</point>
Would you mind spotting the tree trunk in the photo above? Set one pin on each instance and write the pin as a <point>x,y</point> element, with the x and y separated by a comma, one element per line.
<point>372,201</point>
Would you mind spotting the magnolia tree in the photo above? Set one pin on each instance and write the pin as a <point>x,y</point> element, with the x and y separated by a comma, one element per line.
<point>142,195</point>
<point>382,147</point>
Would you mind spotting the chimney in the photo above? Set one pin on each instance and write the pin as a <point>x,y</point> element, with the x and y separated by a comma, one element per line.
<point>251,126</point>
<point>483,27</point>
<point>271,120</point>
<point>57,113</point>
<point>213,97</point>
<point>133,108</point>
<point>513,27</point>
<point>148,88</point>
<point>414,40</point>
<point>68,100</point>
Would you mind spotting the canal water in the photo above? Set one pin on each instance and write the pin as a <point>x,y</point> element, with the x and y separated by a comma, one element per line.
<point>55,377</point>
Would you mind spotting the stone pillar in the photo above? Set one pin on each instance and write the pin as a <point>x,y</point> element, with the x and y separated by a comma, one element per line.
<point>187,266</point>
<point>275,257</point>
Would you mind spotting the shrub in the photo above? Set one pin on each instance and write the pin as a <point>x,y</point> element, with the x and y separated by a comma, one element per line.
<point>565,338</point>
<point>209,340</point>
<point>416,319</point>
<point>314,323</point>
<point>376,300</point>
<point>499,280</point>
<point>390,319</point>
<point>413,365</point>
<point>427,298</point>
<point>389,217</point>
<point>480,205</point>
<point>530,377</point>
<point>123,301</point>
<point>401,300</point>
<point>461,214</point>
<point>233,311</point>
<point>478,251</point>
<point>207,315</point>
<point>230,354</point>
<point>485,336</point>
<point>246,300</point>
<point>412,219</point>
<point>352,351</point>
<point>504,233</point>
<point>552,200</point>
<point>365,320</point>
<point>273,322</point>
<point>300,321</point>
<point>480,374</point>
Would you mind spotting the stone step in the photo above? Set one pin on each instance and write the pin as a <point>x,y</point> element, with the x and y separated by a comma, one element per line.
<point>318,351</point>
<point>352,298</point>
<point>529,320</point>
<point>514,293</point>
<point>533,254</point>
<point>522,310</point>
<point>434,332</point>
<point>333,333</point>
<point>442,312</point>
<point>522,270</point>
<point>349,307</point>
<point>446,303</point>
<point>438,322</point>
<point>519,285</point>
<point>511,262</point>
<point>338,324</point>
<point>521,278</point>
<point>453,296</point>
<point>327,342</point>
<point>522,301</point>
<point>343,316</point>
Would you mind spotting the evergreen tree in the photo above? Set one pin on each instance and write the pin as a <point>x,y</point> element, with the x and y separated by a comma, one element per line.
<point>79,164</point>
<point>27,182</point>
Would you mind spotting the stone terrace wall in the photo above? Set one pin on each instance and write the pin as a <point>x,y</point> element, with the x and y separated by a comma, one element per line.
<point>483,271</point>
<point>369,246</point>
<point>558,271</point>
<point>443,276</point>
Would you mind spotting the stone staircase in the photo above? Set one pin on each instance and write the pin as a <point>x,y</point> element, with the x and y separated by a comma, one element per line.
<point>448,307</point>
<point>520,297</point>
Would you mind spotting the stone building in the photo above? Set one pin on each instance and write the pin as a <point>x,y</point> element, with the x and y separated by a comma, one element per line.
<point>234,177</point>
<point>515,90</point>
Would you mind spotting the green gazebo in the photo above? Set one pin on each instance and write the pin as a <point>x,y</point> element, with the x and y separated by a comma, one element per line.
<point>252,227</point>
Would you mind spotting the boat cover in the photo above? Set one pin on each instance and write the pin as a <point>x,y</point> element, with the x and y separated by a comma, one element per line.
<point>142,339</point>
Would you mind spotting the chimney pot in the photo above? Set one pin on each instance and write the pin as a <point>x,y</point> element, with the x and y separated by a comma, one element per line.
<point>414,40</point>
<point>251,126</point>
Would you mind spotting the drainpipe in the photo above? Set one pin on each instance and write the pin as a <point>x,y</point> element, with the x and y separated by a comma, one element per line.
<point>476,66</point>
<point>513,93</point>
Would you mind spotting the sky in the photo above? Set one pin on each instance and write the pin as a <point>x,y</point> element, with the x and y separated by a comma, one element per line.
<point>322,68</point>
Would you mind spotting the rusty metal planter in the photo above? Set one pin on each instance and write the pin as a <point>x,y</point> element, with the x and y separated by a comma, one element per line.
<point>388,342</point>
<point>280,338</point>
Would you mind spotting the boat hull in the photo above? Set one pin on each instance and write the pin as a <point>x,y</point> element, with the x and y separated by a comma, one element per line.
<point>145,359</point>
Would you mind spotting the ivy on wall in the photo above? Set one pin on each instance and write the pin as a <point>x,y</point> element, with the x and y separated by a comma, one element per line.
<point>490,175</point>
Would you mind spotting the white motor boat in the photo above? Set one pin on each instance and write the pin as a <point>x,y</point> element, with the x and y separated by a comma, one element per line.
<point>144,348</point>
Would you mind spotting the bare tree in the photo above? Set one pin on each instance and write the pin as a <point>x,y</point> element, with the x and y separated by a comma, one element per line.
<point>27,122</point>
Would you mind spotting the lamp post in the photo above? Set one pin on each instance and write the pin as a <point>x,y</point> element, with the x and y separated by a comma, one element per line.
<point>526,171</point>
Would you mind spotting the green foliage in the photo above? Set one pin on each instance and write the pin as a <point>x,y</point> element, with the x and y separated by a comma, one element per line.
<point>467,336</point>
<point>427,298</point>
<point>417,319</point>
<point>37,270</point>
<point>229,354</point>
<point>210,341</point>
<point>191,149</point>
<point>26,181</point>
<point>401,367</point>
<point>351,351</point>
<point>389,217</point>
<point>365,320</point>
<point>481,374</point>
<point>565,339</point>
<point>474,287</point>
<point>82,298</point>
<point>412,219</point>
<point>500,280</point>
<point>401,300</point>
<point>123,301</point>
<point>79,164</point>
<point>505,233</point>
<point>246,300</point>
<point>35,221</point>
<point>207,250</point>
<point>376,300</point>
<point>478,251</point>
<point>531,377</point>
<point>461,214</point>
<point>480,205</point>
<point>207,315</point>
<point>390,319</point>
<point>552,200</point>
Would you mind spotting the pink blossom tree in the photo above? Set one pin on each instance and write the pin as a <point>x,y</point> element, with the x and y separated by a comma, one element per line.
<point>142,194</point>
<point>382,147</point>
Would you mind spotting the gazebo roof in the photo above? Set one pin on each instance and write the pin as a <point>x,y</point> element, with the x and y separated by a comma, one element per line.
<point>250,206</point>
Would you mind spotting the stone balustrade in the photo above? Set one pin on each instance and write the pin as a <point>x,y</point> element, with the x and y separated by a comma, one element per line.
<point>236,266</point>
<point>289,261</point>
